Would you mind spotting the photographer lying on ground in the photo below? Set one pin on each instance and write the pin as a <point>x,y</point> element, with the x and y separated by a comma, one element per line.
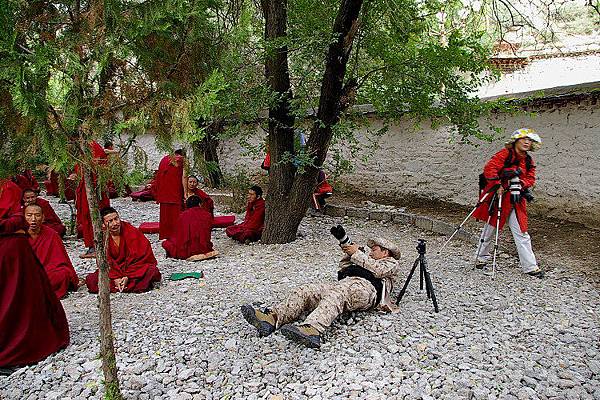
<point>364,282</point>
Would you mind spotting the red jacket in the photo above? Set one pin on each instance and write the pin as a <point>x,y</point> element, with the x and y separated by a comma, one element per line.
<point>492,172</point>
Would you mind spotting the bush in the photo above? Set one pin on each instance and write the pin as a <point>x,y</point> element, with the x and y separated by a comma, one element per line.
<point>239,182</point>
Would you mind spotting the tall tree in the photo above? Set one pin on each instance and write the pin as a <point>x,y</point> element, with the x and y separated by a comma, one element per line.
<point>398,61</point>
<point>72,69</point>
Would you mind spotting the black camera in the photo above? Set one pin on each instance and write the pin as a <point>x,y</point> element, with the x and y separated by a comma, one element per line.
<point>514,187</point>
<point>527,195</point>
<point>340,234</point>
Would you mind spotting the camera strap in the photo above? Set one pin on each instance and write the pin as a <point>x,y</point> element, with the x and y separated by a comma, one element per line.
<point>360,272</point>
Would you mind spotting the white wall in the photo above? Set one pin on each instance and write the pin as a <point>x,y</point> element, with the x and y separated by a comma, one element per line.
<point>427,163</point>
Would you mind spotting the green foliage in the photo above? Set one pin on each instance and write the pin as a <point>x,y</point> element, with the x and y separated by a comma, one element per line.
<point>238,182</point>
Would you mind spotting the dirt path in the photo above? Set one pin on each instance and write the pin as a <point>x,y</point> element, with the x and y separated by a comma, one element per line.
<point>552,239</point>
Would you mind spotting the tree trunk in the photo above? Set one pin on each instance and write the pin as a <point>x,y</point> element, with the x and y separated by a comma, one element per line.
<point>289,194</point>
<point>207,148</point>
<point>107,348</point>
<point>281,128</point>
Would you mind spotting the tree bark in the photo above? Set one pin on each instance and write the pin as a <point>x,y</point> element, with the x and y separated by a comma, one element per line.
<point>107,348</point>
<point>289,193</point>
<point>281,128</point>
<point>208,147</point>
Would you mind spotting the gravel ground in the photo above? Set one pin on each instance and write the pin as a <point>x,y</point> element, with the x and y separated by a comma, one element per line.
<point>514,337</point>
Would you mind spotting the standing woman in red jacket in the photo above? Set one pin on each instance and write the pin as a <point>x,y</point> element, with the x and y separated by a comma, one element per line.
<point>512,170</point>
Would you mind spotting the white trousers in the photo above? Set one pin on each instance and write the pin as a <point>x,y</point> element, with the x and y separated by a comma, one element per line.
<point>522,241</point>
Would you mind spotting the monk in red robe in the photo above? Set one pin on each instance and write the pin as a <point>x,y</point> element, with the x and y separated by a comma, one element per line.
<point>193,190</point>
<point>192,236</point>
<point>26,180</point>
<point>251,229</point>
<point>171,186</point>
<point>322,191</point>
<point>50,250</point>
<point>51,220</point>
<point>148,193</point>
<point>33,324</point>
<point>84,218</point>
<point>130,258</point>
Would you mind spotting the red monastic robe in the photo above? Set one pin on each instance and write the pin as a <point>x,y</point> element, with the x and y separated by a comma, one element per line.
<point>50,250</point>
<point>84,218</point>
<point>132,258</point>
<point>492,172</point>
<point>192,235</point>
<point>51,184</point>
<point>207,202</point>
<point>51,220</point>
<point>146,194</point>
<point>52,188</point>
<point>252,227</point>
<point>26,180</point>
<point>33,324</point>
<point>169,193</point>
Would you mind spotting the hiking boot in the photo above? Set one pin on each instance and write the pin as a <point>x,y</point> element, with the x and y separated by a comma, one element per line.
<point>538,273</point>
<point>90,253</point>
<point>480,264</point>
<point>303,334</point>
<point>264,322</point>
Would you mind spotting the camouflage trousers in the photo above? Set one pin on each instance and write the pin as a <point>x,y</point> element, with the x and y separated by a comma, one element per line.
<point>326,301</point>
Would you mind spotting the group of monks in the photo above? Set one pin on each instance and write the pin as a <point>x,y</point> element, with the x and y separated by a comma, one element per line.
<point>36,271</point>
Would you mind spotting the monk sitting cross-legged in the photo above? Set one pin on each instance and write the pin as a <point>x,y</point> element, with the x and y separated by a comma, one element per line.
<point>51,220</point>
<point>50,250</point>
<point>192,237</point>
<point>132,265</point>
<point>251,229</point>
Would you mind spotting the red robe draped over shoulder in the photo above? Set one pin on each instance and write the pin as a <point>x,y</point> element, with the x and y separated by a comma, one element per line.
<point>192,235</point>
<point>492,172</point>
<point>169,193</point>
<point>26,180</point>
<point>252,227</point>
<point>133,257</point>
<point>51,220</point>
<point>33,323</point>
<point>207,202</point>
<point>50,250</point>
<point>84,218</point>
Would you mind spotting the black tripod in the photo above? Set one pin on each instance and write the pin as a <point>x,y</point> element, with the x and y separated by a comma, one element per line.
<point>424,274</point>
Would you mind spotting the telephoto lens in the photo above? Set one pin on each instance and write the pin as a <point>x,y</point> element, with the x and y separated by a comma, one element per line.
<point>515,190</point>
<point>340,234</point>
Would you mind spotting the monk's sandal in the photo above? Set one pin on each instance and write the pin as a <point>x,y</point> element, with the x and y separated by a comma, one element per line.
<point>303,334</point>
<point>264,322</point>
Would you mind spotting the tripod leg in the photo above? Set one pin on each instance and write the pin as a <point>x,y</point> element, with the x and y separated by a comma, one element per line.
<point>412,271</point>
<point>430,290</point>
<point>420,274</point>
<point>424,273</point>
<point>497,235</point>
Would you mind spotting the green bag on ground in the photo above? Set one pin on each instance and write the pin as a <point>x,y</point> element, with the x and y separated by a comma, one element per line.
<point>183,275</point>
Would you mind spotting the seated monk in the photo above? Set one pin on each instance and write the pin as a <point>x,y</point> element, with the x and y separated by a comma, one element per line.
<point>50,250</point>
<point>147,193</point>
<point>251,229</point>
<point>51,220</point>
<point>129,255</point>
<point>322,191</point>
<point>26,180</point>
<point>192,237</point>
<point>193,190</point>
<point>33,324</point>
